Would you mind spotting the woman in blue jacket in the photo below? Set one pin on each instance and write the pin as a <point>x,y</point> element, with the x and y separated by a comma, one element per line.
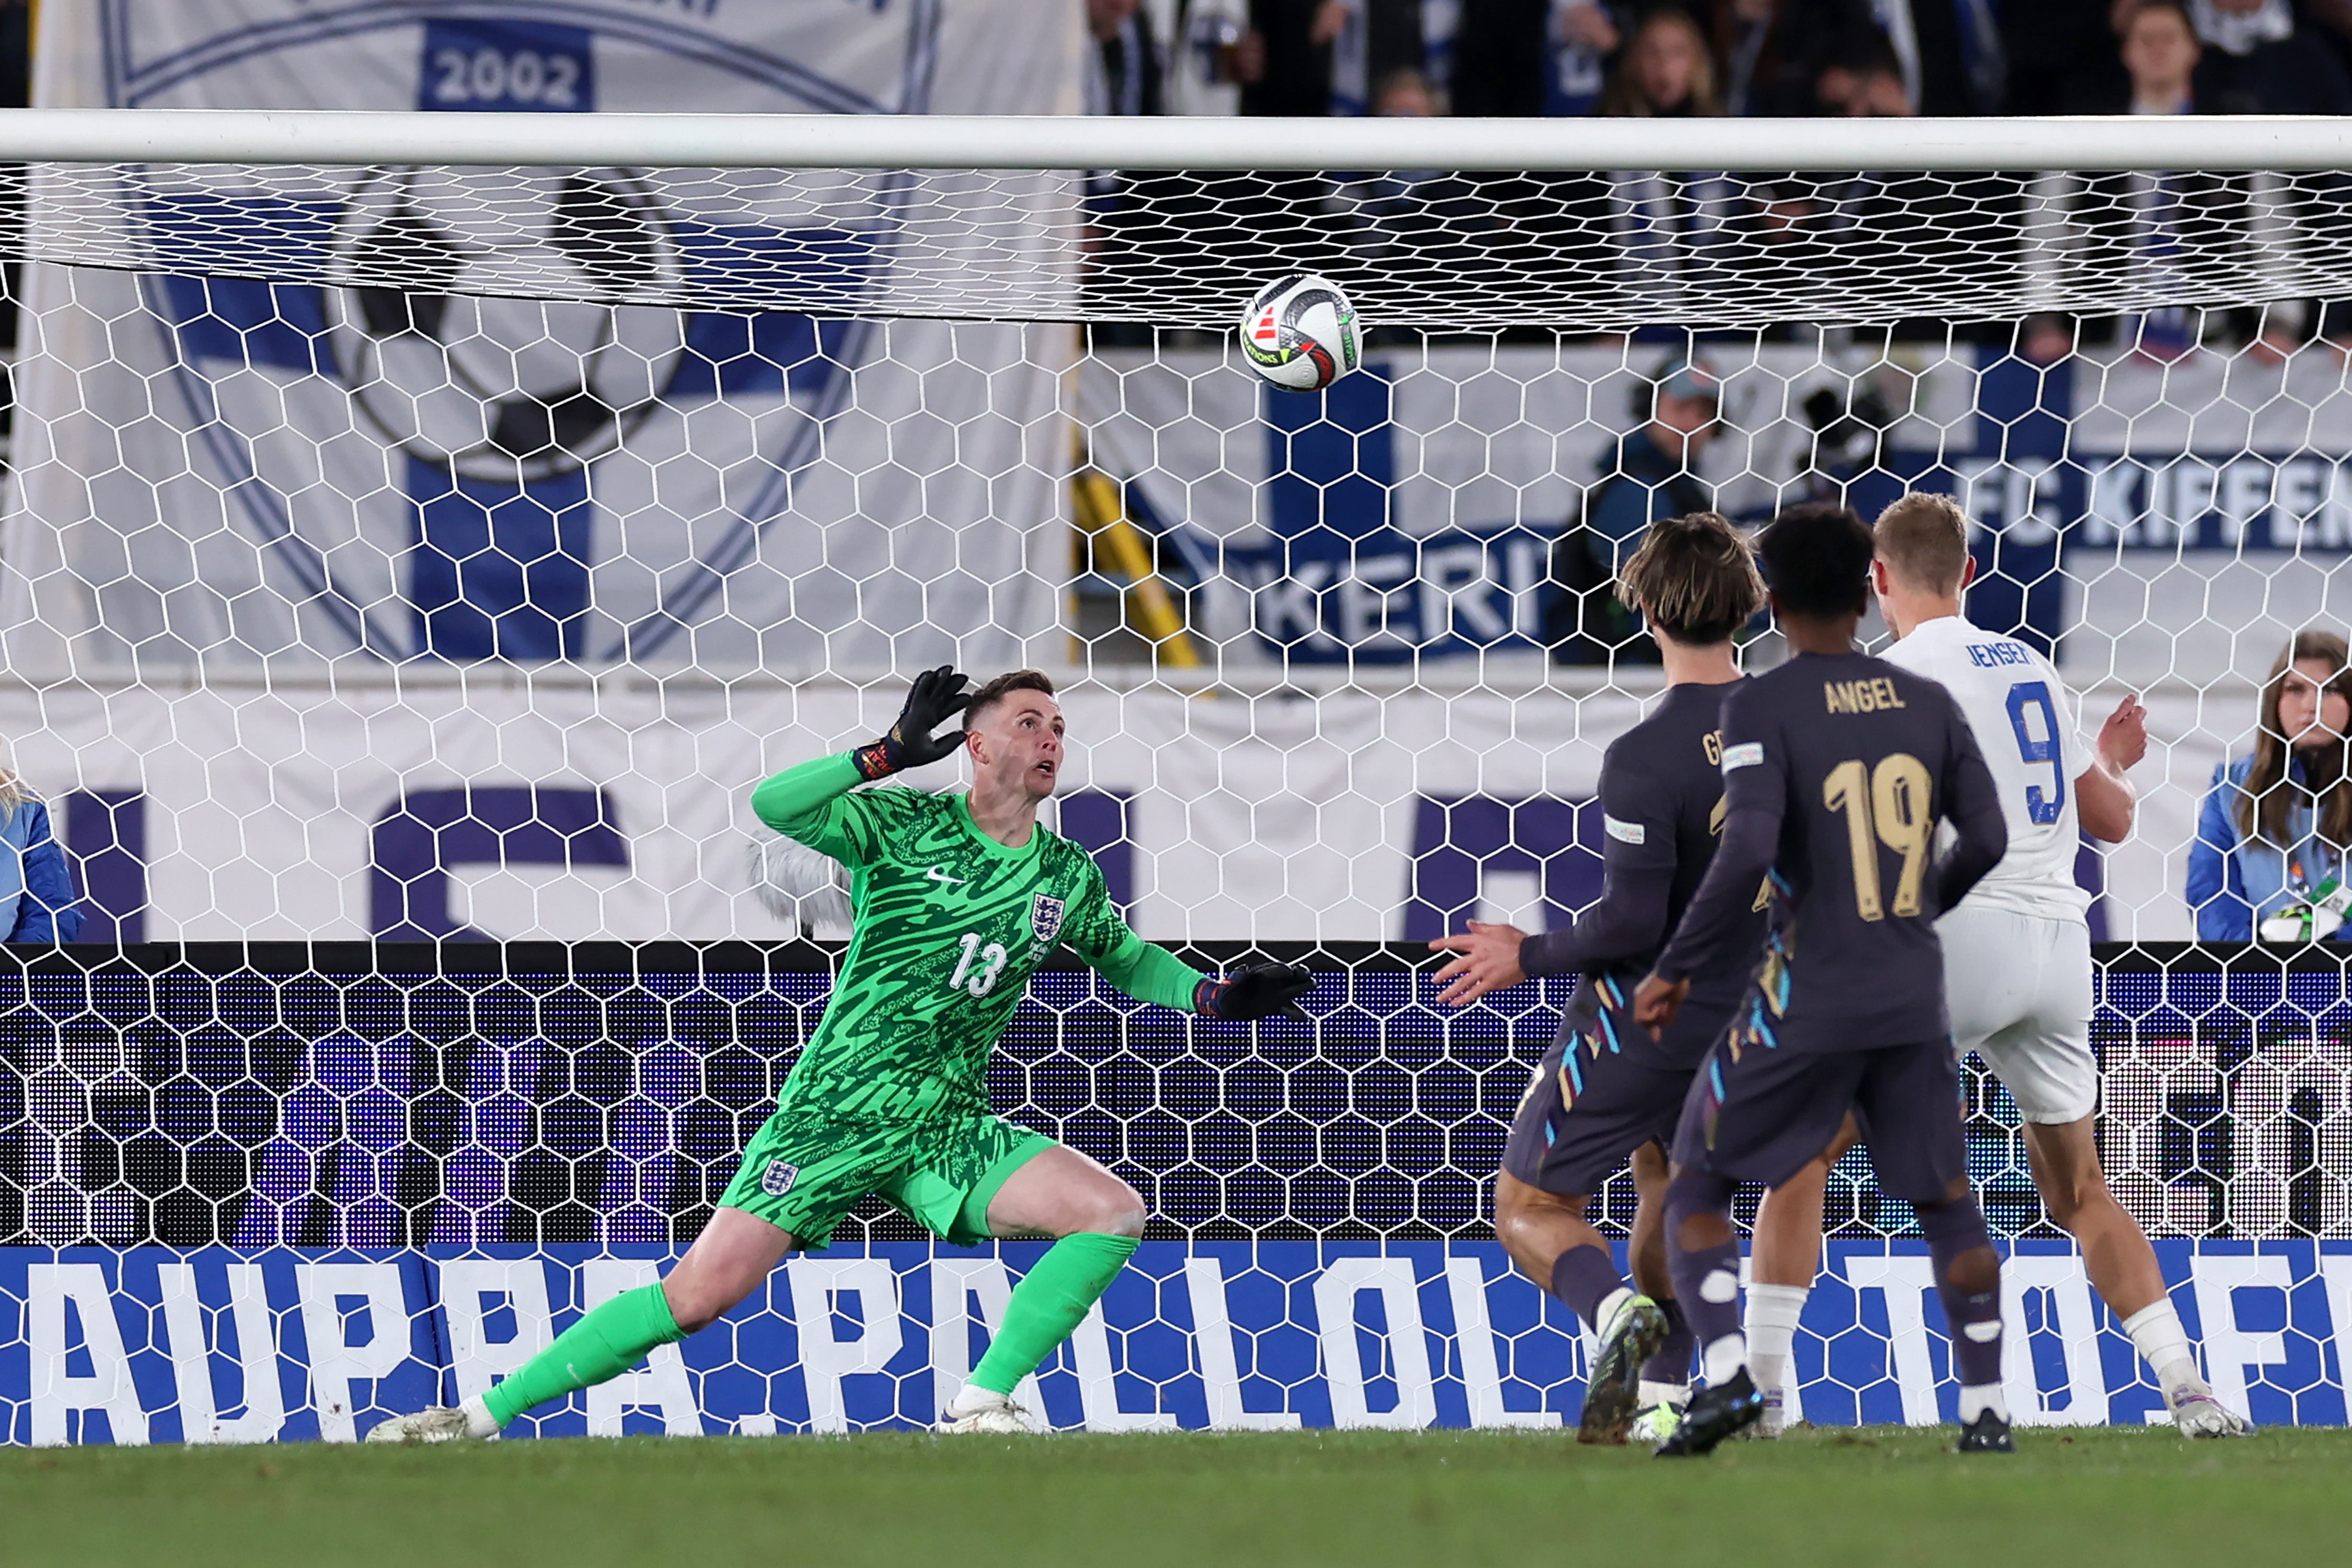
<point>36,890</point>
<point>2277,824</point>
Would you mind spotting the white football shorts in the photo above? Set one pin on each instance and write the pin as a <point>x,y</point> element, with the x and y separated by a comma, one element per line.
<point>2020,991</point>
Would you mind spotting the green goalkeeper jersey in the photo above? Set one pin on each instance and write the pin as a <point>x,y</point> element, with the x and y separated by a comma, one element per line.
<point>949,925</point>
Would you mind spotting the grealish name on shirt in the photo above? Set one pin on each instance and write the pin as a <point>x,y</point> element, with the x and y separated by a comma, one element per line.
<point>1872,696</point>
<point>1987,655</point>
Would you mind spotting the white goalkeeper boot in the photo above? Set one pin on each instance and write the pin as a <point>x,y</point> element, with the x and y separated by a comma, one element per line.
<point>442,1424</point>
<point>985,1411</point>
<point>2198,1414</point>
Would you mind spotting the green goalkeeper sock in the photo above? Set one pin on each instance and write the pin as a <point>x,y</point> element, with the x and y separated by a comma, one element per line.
<point>605,1342</point>
<point>1050,1301</point>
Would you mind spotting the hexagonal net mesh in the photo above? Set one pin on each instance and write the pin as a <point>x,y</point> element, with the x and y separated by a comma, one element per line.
<point>417,555</point>
<point>1473,250</point>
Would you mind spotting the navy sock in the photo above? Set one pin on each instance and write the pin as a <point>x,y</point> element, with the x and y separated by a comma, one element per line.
<point>1953,1231</point>
<point>1584,1277</point>
<point>1707,1280</point>
<point>1672,1362</point>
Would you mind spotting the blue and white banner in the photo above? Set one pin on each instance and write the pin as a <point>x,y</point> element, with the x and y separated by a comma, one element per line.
<point>572,813</point>
<point>154,1345</point>
<point>1407,513</point>
<point>232,469</point>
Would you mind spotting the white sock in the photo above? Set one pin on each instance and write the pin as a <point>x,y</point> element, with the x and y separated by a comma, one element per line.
<point>971,1398</point>
<point>479,1422</point>
<point>1722,1359</point>
<point>1656,1394</point>
<point>1611,1305</point>
<point>1772,1314</point>
<point>1975,1402</point>
<point>2163,1344</point>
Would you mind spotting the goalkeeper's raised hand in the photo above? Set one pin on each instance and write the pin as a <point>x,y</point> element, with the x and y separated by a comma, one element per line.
<point>937,696</point>
<point>1260,990</point>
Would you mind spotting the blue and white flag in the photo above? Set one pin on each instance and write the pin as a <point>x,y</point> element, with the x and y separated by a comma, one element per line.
<point>236,467</point>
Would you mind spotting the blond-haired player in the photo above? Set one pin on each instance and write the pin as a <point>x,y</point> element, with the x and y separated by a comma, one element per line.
<point>2017,956</point>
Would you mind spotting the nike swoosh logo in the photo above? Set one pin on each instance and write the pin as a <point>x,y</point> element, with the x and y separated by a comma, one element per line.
<point>936,874</point>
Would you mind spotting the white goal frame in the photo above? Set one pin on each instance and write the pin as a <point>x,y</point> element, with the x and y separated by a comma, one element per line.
<point>2286,143</point>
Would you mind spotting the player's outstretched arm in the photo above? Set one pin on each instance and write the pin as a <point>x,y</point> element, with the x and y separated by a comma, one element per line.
<point>811,803</point>
<point>1625,925</point>
<point>1637,862</point>
<point>2104,795</point>
<point>1149,972</point>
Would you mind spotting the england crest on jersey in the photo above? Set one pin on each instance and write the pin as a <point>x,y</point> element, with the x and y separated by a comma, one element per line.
<point>1046,917</point>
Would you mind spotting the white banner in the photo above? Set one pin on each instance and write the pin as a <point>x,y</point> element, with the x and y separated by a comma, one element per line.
<point>1269,1335</point>
<point>227,470</point>
<point>1350,816</point>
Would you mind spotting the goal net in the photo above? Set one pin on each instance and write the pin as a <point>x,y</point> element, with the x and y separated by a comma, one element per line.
<point>431,539</point>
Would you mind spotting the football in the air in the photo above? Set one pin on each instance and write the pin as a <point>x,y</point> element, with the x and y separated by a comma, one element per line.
<point>1300,332</point>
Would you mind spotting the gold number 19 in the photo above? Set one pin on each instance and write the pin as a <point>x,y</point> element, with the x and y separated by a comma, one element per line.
<point>1888,804</point>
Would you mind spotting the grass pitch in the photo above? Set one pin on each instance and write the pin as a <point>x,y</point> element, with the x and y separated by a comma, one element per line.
<point>1359,1500</point>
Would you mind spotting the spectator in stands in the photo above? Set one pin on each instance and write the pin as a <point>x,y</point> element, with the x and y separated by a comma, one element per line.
<point>1287,56</point>
<point>1650,475</point>
<point>1862,78</point>
<point>1496,59</point>
<point>1581,38</point>
<point>2276,824</point>
<point>1319,57</point>
<point>1947,54</point>
<point>1536,57</point>
<point>2160,52</point>
<point>1206,44</point>
<point>1765,49</point>
<point>2257,62</point>
<point>1125,75</point>
<point>1405,94</point>
<point>2059,56</point>
<point>37,887</point>
<point>1665,72</point>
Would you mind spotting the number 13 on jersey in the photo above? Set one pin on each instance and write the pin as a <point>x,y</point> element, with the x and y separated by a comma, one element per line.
<point>977,970</point>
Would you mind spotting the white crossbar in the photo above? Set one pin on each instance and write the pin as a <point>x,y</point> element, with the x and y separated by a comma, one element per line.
<point>2282,142</point>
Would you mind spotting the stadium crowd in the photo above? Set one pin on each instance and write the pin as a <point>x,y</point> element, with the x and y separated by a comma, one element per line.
<point>1681,57</point>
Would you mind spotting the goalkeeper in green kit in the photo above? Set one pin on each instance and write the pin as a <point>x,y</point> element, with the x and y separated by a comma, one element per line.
<point>958,897</point>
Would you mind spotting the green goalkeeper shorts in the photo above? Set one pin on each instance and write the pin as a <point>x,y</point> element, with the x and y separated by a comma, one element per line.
<point>806,1169</point>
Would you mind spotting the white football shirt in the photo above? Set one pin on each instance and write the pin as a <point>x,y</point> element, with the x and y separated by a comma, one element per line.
<point>2023,719</point>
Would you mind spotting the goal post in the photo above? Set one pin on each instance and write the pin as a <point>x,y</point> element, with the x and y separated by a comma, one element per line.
<point>805,385</point>
<point>2218,143</point>
<point>1437,225</point>
<point>423,529</point>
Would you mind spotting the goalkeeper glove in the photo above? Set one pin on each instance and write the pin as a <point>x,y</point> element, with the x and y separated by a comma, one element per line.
<point>1261,991</point>
<point>937,696</point>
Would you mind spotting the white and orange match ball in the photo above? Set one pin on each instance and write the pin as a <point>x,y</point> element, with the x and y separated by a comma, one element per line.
<point>1300,333</point>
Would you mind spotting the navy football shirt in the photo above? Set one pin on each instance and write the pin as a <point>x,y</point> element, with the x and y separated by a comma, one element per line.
<point>1837,770</point>
<point>1662,806</point>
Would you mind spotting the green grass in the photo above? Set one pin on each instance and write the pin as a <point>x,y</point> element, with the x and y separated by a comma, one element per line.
<point>1361,1500</point>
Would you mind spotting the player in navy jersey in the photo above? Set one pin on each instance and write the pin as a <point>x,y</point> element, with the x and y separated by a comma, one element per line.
<point>2017,959</point>
<point>1606,1090</point>
<point>1838,770</point>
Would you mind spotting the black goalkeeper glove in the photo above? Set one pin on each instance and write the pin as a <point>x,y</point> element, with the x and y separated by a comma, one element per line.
<point>1261,991</point>
<point>937,696</point>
